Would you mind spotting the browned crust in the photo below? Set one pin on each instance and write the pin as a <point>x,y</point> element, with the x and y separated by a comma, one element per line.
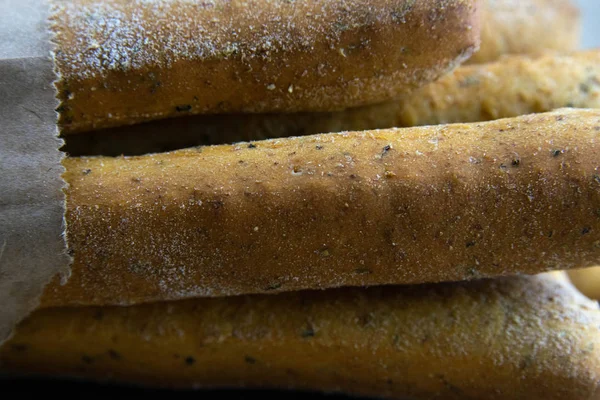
<point>513,86</point>
<point>414,205</point>
<point>509,338</point>
<point>587,281</point>
<point>122,62</point>
<point>527,27</point>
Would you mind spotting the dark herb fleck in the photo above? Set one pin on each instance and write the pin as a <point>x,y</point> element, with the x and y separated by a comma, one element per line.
<point>516,162</point>
<point>470,244</point>
<point>183,108</point>
<point>87,359</point>
<point>308,332</point>
<point>526,362</point>
<point>319,147</point>
<point>560,118</point>
<point>386,148</point>
<point>87,171</point>
<point>114,355</point>
<point>352,176</point>
<point>251,146</point>
<point>556,153</point>
<point>98,315</point>
<point>585,230</point>
<point>250,360</point>
<point>62,108</point>
<point>273,286</point>
<point>396,341</point>
<point>154,87</point>
<point>190,360</point>
<point>365,320</point>
<point>454,389</point>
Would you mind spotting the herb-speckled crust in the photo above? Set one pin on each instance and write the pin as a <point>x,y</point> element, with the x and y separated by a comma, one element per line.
<point>398,206</point>
<point>530,338</point>
<point>123,61</point>
<point>527,27</point>
<point>510,87</point>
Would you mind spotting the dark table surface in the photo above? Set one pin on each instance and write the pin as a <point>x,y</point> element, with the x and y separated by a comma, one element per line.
<point>92,391</point>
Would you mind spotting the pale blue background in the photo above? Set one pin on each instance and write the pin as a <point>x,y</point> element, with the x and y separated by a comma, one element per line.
<point>590,13</point>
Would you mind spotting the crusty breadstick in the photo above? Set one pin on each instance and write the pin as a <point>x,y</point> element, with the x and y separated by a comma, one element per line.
<point>513,86</point>
<point>509,338</point>
<point>527,27</point>
<point>127,61</point>
<point>410,205</point>
<point>587,280</point>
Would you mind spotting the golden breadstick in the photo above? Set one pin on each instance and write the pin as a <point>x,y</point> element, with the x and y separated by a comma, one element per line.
<point>122,61</point>
<point>587,280</point>
<point>513,86</point>
<point>527,27</point>
<point>414,205</point>
<point>510,338</point>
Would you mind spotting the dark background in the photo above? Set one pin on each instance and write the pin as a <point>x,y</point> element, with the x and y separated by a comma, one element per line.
<point>91,391</point>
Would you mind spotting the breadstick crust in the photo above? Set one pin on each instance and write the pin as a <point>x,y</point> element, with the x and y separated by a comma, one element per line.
<point>527,27</point>
<point>511,338</point>
<point>513,86</point>
<point>587,281</point>
<point>123,62</point>
<point>398,206</point>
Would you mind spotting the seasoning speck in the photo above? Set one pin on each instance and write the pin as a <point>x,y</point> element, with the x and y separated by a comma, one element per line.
<point>183,108</point>
<point>114,355</point>
<point>190,360</point>
<point>308,332</point>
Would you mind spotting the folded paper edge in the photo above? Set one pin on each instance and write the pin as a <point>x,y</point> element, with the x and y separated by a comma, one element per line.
<point>27,294</point>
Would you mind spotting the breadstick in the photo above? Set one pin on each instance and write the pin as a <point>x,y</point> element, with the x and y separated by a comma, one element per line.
<point>587,281</point>
<point>122,61</point>
<point>513,86</point>
<point>511,338</point>
<point>403,206</point>
<point>527,27</point>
